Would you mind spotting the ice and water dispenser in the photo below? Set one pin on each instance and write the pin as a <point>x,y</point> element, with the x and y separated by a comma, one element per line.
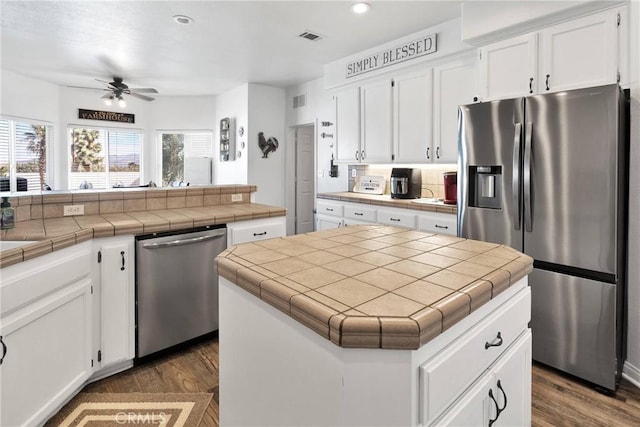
<point>485,186</point>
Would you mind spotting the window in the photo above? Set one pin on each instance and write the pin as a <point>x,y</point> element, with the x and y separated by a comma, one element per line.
<point>180,148</point>
<point>105,158</point>
<point>23,155</point>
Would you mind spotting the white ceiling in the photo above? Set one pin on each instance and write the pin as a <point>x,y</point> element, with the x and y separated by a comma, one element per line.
<point>71,43</point>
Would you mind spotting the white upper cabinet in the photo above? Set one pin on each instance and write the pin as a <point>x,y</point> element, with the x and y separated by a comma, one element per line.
<point>347,124</point>
<point>412,106</point>
<point>579,53</point>
<point>377,122</point>
<point>454,85</point>
<point>509,67</point>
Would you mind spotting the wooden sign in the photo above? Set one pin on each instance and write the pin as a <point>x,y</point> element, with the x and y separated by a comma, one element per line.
<point>405,52</point>
<point>108,116</point>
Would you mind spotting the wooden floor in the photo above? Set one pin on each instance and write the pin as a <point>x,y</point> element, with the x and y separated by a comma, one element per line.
<point>558,400</point>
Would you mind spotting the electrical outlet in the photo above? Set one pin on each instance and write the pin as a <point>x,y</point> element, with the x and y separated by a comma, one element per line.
<point>74,210</point>
<point>354,173</point>
<point>236,197</point>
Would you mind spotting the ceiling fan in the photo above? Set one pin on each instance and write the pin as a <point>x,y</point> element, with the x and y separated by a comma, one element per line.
<point>116,88</point>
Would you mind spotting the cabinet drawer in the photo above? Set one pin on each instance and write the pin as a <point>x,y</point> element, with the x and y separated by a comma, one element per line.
<point>447,375</point>
<point>332,209</point>
<point>360,213</point>
<point>438,223</point>
<point>400,219</point>
<point>255,232</point>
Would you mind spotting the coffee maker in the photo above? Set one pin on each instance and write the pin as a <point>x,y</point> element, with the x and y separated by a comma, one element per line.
<point>406,183</point>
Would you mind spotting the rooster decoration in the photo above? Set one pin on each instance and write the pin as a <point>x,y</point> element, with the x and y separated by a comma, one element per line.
<point>267,146</point>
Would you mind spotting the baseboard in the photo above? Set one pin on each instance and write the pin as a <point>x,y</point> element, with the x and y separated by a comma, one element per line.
<point>111,370</point>
<point>631,373</point>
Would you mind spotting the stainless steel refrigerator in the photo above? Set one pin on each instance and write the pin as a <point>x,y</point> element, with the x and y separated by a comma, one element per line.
<point>548,175</point>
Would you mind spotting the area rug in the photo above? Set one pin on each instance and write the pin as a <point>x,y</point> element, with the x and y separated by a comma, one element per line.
<point>122,409</point>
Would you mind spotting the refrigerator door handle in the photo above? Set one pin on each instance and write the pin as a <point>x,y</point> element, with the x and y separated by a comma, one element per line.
<point>527,177</point>
<point>515,180</point>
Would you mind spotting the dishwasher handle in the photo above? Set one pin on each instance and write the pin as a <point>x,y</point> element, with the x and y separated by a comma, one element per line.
<point>181,242</point>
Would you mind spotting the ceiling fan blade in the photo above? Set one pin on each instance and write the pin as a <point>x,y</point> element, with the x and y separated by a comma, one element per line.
<point>137,95</point>
<point>86,87</point>
<point>143,90</point>
<point>107,96</point>
<point>103,81</point>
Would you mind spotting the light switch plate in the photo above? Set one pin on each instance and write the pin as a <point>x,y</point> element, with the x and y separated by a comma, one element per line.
<point>73,210</point>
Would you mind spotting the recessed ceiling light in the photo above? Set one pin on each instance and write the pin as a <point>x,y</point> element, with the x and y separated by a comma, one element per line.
<point>360,7</point>
<point>182,19</point>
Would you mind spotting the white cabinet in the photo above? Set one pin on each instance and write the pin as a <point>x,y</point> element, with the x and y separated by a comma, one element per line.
<point>46,319</point>
<point>347,125</point>
<point>324,222</point>
<point>579,53</point>
<point>116,277</point>
<point>397,218</point>
<point>255,230</point>
<point>413,117</point>
<point>377,122</point>
<point>454,85</point>
<point>509,68</point>
<point>434,222</point>
<point>360,213</point>
<point>502,396</point>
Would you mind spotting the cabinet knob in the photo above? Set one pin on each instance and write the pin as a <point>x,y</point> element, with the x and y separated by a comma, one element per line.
<point>437,152</point>
<point>357,155</point>
<point>428,153</point>
<point>122,256</point>
<point>547,81</point>
<point>475,99</point>
<point>531,85</point>
<point>362,155</point>
<point>495,343</point>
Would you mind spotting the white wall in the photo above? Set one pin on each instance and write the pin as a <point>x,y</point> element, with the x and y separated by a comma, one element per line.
<point>233,104</point>
<point>267,115</point>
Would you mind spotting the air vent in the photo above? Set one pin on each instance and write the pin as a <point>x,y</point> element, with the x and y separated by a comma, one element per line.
<point>310,36</point>
<point>300,101</point>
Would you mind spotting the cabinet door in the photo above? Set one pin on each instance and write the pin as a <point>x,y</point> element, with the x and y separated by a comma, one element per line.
<point>579,53</point>
<point>412,106</point>
<point>347,125</point>
<point>454,86</point>
<point>509,67</point>
<point>327,223</point>
<point>473,408</point>
<point>255,230</point>
<point>513,395</point>
<point>117,300</point>
<point>48,354</point>
<point>377,120</point>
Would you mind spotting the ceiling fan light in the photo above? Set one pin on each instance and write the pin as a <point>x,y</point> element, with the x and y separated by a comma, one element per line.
<point>108,101</point>
<point>121,102</point>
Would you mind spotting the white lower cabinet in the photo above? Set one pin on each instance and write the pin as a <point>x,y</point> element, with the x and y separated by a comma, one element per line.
<point>46,330</point>
<point>324,222</point>
<point>115,278</point>
<point>397,218</point>
<point>434,222</point>
<point>502,396</point>
<point>255,230</point>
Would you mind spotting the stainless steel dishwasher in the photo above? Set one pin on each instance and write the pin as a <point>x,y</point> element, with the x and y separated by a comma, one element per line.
<point>176,287</point>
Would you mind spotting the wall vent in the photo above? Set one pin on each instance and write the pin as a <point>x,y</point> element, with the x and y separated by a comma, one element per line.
<point>300,101</point>
<point>314,37</point>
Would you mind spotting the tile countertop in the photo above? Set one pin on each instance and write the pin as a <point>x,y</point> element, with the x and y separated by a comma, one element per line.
<point>373,286</point>
<point>51,234</point>
<point>423,204</point>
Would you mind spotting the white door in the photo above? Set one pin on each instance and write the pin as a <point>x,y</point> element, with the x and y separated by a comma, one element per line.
<point>412,109</point>
<point>579,53</point>
<point>454,85</point>
<point>472,409</point>
<point>48,354</point>
<point>513,372</point>
<point>305,161</point>
<point>347,124</point>
<point>376,129</point>
<point>118,305</point>
<point>509,67</point>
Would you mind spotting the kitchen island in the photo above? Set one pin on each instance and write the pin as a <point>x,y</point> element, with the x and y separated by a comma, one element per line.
<point>374,325</point>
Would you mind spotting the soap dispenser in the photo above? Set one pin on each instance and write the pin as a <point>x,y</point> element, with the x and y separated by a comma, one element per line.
<point>7,218</point>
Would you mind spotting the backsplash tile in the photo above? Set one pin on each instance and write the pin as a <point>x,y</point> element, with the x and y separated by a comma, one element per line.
<point>432,177</point>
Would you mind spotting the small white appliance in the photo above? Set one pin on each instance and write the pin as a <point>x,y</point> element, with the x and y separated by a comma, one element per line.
<point>371,184</point>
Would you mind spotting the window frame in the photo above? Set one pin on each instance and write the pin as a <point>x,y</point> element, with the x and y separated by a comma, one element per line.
<point>158,146</point>
<point>13,170</point>
<point>69,132</point>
